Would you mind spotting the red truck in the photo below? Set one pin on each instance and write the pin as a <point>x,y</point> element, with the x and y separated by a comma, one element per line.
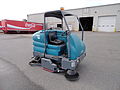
<point>20,26</point>
<point>0,26</point>
<point>1,31</point>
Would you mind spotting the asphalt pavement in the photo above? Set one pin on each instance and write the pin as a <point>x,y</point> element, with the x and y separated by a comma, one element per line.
<point>100,70</point>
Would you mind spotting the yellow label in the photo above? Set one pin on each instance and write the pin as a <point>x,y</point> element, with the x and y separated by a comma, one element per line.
<point>114,29</point>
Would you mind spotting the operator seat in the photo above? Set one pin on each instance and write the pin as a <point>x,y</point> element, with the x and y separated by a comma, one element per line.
<point>53,39</point>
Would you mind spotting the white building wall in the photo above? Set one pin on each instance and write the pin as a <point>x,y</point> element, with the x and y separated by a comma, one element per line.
<point>95,12</point>
<point>39,17</point>
<point>118,21</point>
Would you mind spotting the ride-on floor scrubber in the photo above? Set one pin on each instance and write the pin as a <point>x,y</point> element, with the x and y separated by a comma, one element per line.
<point>58,50</point>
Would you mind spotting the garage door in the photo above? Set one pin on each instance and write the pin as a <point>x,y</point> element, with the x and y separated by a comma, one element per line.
<point>106,23</point>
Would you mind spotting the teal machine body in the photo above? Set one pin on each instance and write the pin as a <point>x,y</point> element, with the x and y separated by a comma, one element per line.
<point>58,50</point>
<point>77,46</point>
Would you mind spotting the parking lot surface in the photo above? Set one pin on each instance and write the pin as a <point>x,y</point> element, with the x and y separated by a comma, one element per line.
<point>100,70</point>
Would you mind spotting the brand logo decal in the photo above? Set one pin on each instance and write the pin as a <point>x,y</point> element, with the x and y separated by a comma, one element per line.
<point>32,25</point>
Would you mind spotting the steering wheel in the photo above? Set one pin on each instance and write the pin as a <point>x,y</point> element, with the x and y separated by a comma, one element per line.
<point>66,33</point>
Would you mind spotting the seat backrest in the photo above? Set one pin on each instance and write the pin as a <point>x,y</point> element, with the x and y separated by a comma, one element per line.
<point>52,36</point>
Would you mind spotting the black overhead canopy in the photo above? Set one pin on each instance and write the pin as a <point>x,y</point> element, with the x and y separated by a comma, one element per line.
<point>58,14</point>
